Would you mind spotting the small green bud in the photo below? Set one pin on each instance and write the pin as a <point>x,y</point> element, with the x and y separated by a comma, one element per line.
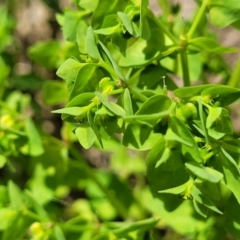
<point>106,85</point>
<point>36,229</point>
<point>187,111</point>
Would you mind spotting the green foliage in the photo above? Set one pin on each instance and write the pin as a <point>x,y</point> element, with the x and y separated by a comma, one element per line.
<point>117,64</point>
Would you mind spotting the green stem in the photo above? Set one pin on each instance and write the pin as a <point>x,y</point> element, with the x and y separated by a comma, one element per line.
<point>108,68</point>
<point>78,228</point>
<point>116,91</point>
<point>197,19</point>
<point>202,118</point>
<point>134,226</point>
<point>234,80</point>
<point>137,94</point>
<point>185,68</point>
<point>165,31</point>
<point>121,209</point>
<point>208,156</point>
<point>11,130</point>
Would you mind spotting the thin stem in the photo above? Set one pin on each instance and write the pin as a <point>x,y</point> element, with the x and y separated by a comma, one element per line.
<point>197,19</point>
<point>121,209</point>
<point>234,80</point>
<point>165,31</point>
<point>11,130</point>
<point>185,68</point>
<point>135,225</point>
<point>120,90</point>
<point>77,228</point>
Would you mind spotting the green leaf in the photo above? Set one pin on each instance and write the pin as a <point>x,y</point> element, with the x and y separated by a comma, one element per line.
<point>108,126</point>
<point>35,147</point>
<point>205,173</point>
<point>143,51</point>
<point>58,233</point>
<point>81,100</point>
<point>106,31</point>
<point>15,196</point>
<point>223,123</point>
<point>110,25</point>
<point>188,92</point>
<point>152,106</point>
<point>197,195</point>
<point>3,161</point>
<point>127,102</point>
<point>139,137</point>
<point>90,116</point>
<point>113,107</point>
<point>37,206</point>
<point>72,114</point>
<point>17,228</point>
<point>114,64</point>
<point>172,136</point>
<point>157,150</point>
<point>232,217</point>
<point>165,156</point>
<point>210,45</point>
<point>91,45</point>
<point>86,135</point>
<point>221,95</point>
<point>47,54</point>
<point>104,9</point>
<point>219,90</point>
<point>180,133</point>
<point>231,160</point>
<point>201,209</point>
<point>210,189</point>
<point>54,92</point>
<point>213,115</point>
<point>89,4</point>
<point>231,177</point>
<point>69,71</point>
<point>7,218</point>
<point>73,25</point>
<point>73,111</point>
<point>176,190</point>
<point>128,24</point>
<point>85,75</point>
<point>81,42</point>
<point>145,31</point>
<point>222,16</point>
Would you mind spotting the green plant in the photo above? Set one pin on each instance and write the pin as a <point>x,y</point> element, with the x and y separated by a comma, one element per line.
<point>115,88</point>
<point>118,62</point>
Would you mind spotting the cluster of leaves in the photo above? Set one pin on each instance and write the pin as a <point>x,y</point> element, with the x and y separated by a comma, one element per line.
<point>114,92</point>
<point>112,62</point>
<point>47,169</point>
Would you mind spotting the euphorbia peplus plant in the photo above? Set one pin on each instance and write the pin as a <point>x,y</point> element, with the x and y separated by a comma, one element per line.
<point>115,91</point>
